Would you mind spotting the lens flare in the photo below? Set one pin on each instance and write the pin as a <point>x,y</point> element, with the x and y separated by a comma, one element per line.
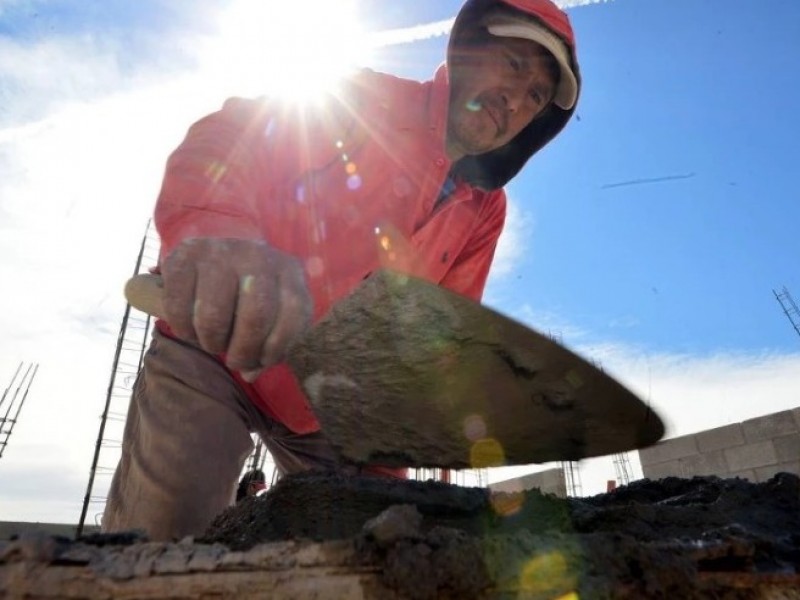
<point>473,106</point>
<point>485,453</point>
<point>215,171</point>
<point>246,284</point>
<point>474,428</point>
<point>506,504</point>
<point>547,572</point>
<point>354,182</point>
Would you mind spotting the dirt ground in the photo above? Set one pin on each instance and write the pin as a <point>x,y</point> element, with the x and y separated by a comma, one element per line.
<point>672,538</point>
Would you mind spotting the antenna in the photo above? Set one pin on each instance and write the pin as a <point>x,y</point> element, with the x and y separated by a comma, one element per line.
<point>7,422</point>
<point>789,307</point>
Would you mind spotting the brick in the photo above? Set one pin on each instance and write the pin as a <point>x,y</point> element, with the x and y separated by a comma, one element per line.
<point>765,473</point>
<point>670,468</point>
<point>667,450</point>
<point>769,426</point>
<point>787,448</point>
<point>748,474</point>
<point>720,437</point>
<point>709,463</point>
<point>751,456</point>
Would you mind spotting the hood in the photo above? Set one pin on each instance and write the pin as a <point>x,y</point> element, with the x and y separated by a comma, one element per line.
<point>494,169</point>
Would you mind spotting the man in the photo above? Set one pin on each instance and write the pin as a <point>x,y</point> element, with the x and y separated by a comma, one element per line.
<point>269,214</point>
<point>251,483</point>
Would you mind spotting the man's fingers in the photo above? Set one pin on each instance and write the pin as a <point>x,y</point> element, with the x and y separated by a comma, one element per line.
<point>214,308</point>
<point>179,284</point>
<point>255,315</point>
<point>239,298</point>
<point>294,317</point>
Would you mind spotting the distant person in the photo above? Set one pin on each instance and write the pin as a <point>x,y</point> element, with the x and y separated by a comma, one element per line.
<point>268,215</point>
<point>251,484</point>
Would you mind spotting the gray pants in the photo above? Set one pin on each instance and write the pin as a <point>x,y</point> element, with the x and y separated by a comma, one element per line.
<point>186,440</point>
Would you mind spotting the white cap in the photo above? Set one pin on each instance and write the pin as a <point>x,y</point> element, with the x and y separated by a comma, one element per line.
<point>506,25</point>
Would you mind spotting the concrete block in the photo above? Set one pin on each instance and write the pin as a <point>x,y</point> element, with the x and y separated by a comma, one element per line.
<point>766,473</point>
<point>710,463</point>
<point>720,437</point>
<point>769,426</point>
<point>669,450</point>
<point>787,448</point>
<point>670,468</point>
<point>789,467</point>
<point>550,481</point>
<point>751,456</point>
<point>748,474</point>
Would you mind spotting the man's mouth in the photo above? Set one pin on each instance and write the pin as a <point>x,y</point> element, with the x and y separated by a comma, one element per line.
<point>495,115</point>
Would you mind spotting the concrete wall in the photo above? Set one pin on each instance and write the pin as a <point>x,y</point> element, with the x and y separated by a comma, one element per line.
<point>550,481</point>
<point>755,450</point>
<point>12,528</point>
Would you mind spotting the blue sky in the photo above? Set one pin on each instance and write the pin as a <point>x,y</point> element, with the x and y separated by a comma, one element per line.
<point>649,235</point>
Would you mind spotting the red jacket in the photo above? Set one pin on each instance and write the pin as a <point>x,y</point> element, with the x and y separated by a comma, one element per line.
<point>347,188</point>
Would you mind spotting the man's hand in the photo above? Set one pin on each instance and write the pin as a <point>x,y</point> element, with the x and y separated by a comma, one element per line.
<point>238,297</point>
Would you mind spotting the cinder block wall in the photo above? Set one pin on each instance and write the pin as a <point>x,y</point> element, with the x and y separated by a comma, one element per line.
<point>550,481</point>
<point>755,450</point>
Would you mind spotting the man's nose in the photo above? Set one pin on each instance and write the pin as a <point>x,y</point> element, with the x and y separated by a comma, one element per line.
<point>514,96</point>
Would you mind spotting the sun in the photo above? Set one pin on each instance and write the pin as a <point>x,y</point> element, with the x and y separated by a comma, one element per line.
<point>296,49</point>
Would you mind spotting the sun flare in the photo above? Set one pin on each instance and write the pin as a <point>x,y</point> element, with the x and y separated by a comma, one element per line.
<point>296,49</point>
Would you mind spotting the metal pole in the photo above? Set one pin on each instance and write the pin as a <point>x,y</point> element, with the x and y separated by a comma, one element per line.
<point>256,458</point>
<point>104,418</point>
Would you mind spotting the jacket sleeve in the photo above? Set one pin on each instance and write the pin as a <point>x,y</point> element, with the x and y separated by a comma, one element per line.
<point>469,272</point>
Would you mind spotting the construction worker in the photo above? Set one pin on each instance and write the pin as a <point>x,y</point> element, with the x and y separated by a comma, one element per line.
<point>270,213</point>
<point>251,484</point>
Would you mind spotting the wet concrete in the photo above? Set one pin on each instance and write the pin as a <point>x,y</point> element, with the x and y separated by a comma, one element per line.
<point>672,538</point>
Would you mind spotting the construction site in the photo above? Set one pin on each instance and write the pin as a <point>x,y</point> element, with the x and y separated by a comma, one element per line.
<point>715,515</point>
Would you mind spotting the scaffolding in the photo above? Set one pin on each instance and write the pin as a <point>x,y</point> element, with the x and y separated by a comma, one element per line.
<point>622,468</point>
<point>261,459</point>
<point>132,342</point>
<point>570,468</point>
<point>572,478</point>
<point>462,477</point>
<point>789,307</point>
<point>13,403</point>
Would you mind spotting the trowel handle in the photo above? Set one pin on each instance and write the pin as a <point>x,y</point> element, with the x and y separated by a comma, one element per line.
<point>145,292</point>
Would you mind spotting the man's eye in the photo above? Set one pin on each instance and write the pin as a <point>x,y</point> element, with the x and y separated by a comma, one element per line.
<point>514,63</point>
<point>537,97</point>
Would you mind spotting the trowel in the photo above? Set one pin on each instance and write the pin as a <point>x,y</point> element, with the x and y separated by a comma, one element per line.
<point>403,372</point>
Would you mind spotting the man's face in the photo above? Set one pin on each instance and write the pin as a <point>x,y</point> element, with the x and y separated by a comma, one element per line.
<point>497,88</point>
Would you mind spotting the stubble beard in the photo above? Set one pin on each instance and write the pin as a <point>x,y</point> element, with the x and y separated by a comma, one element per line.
<point>473,132</point>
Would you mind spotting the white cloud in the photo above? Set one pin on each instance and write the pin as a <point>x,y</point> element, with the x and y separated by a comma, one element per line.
<point>77,186</point>
<point>513,242</point>
<point>39,75</point>
<point>441,28</point>
<point>691,393</point>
